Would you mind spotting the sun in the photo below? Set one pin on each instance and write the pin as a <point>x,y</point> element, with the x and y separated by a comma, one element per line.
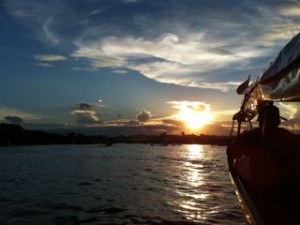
<point>193,114</point>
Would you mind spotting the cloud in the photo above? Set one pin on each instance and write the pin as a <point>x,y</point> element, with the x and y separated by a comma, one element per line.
<point>291,10</point>
<point>167,121</point>
<point>122,123</point>
<point>222,86</point>
<point>49,34</point>
<point>290,110</point>
<point>83,106</point>
<point>41,17</point>
<point>176,43</point>
<point>13,119</point>
<point>26,116</point>
<point>50,58</point>
<point>120,71</point>
<point>193,105</point>
<point>166,59</point>
<point>85,113</point>
<point>85,117</point>
<point>188,60</point>
<point>283,22</point>
<point>293,125</point>
<point>143,115</point>
<point>89,69</point>
<point>44,64</point>
<point>189,108</point>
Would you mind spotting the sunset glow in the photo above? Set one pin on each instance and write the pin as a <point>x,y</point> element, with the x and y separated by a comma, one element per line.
<point>194,114</point>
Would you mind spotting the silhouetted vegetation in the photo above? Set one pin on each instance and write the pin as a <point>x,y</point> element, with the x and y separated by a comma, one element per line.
<point>15,135</point>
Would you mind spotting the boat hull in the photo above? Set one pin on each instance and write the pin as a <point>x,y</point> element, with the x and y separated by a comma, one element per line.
<point>266,193</point>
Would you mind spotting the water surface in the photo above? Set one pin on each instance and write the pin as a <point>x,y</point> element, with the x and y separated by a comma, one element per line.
<point>119,184</point>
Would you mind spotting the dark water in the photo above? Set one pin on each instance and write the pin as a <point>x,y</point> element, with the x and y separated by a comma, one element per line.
<point>121,184</point>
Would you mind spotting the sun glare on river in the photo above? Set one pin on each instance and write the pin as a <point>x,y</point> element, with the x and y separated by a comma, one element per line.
<point>194,115</point>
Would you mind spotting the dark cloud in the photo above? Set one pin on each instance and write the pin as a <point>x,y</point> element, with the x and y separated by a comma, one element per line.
<point>172,122</point>
<point>122,123</point>
<point>143,115</point>
<point>86,117</point>
<point>132,123</point>
<point>13,119</point>
<point>85,113</point>
<point>83,106</point>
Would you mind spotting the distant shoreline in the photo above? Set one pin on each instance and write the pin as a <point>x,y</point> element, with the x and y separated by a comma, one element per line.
<point>11,135</point>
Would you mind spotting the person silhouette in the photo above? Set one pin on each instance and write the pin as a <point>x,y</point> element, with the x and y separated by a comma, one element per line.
<point>269,120</point>
<point>267,153</point>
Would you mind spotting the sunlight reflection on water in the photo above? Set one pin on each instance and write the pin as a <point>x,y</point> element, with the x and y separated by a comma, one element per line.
<point>188,203</point>
<point>193,172</point>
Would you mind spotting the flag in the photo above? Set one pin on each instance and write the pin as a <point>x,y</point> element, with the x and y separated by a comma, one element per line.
<point>243,86</point>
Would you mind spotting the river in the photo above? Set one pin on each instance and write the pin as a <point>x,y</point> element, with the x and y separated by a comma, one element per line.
<point>119,184</point>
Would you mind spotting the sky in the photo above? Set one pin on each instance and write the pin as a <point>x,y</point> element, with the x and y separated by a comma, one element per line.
<point>137,66</point>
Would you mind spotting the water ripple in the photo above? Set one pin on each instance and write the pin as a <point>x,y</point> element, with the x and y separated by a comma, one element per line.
<point>122,184</point>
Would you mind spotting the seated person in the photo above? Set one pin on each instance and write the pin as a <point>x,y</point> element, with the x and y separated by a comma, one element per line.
<point>269,134</point>
<point>267,153</point>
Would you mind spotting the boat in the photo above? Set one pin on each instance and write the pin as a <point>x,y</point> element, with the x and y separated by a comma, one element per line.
<point>264,162</point>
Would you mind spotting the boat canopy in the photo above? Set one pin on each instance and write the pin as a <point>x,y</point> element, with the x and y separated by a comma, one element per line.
<point>280,82</point>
